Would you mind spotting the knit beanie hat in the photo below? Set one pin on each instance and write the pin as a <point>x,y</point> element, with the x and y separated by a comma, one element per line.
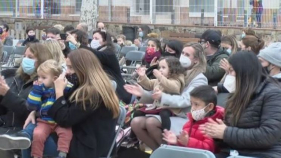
<point>272,54</point>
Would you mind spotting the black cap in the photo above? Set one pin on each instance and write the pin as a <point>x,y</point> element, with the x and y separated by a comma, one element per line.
<point>213,38</point>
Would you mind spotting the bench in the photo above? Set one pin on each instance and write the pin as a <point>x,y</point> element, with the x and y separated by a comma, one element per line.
<point>183,37</point>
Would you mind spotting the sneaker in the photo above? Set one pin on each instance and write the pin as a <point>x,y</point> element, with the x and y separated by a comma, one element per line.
<point>17,141</point>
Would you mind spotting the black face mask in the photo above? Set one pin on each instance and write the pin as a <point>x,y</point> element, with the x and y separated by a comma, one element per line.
<point>73,78</point>
<point>31,38</point>
<point>267,69</point>
<point>165,54</point>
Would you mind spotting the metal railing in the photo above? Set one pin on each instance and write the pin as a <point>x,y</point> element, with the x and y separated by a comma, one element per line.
<point>232,13</point>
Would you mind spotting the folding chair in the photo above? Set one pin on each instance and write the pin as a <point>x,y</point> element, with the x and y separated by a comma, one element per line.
<point>117,48</point>
<point>143,48</point>
<point>120,123</point>
<point>18,53</point>
<point>9,49</point>
<point>8,52</point>
<point>168,151</point>
<point>135,57</point>
<point>125,50</point>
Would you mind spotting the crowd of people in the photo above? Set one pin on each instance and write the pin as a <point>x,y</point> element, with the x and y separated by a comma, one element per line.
<point>59,101</point>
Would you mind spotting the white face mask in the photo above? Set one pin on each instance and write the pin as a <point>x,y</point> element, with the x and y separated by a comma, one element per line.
<point>95,44</point>
<point>230,83</point>
<point>198,114</point>
<point>185,61</point>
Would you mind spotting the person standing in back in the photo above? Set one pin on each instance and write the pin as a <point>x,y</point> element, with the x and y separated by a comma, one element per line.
<point>31,37</point>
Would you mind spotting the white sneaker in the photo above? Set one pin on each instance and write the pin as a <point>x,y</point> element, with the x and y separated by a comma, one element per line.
<point>9,142</point>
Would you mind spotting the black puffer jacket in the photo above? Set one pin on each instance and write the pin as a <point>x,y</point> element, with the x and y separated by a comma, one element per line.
<point>258,131</point>
<point>13,104</point>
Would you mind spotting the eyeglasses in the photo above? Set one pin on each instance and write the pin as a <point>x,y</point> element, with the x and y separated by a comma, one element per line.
<point>201,41</point>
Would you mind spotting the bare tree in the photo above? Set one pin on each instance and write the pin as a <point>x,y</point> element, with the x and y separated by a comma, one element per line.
<point>89,13</point>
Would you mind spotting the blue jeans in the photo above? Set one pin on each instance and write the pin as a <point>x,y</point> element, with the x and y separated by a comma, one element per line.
<point>50,145</point>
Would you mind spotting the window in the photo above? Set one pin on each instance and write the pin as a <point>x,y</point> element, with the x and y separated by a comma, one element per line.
<point>197,5</point>
<point>7,5</point>
<point>78,5</point>
<point>164,6</point>
<point>143,7</point>
<point>52,7</point>
<point>240,7</point>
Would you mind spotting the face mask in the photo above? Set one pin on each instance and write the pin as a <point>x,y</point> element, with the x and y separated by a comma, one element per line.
<point>140,34</point>
<point>185,61</point>
<point>71,46</point>
<point>230,83</point>
<point>165,54</point>
<point>1,30</point>
<point>228,51</point>
<point>243,35</point>
<point>95,44</point>
<point>28,65</point>
<point>198,114</point>
<point>31,38</point>
<point>73,78</point>
<point>150,50</point>
<point>267,69</point>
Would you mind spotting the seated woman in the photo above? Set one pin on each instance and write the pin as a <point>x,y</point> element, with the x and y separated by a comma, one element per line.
<point>252,122</point>
<point>91,107</point>
<point>149,129</point>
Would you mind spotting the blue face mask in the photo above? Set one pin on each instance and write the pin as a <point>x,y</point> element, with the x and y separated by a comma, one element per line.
<point>28,65</point>
<point>71,46</point>
<point>140,34</point>
<point>243,35</point>
<point>228,51</point>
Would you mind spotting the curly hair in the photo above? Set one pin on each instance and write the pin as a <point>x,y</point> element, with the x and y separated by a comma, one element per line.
<point>175,68</point>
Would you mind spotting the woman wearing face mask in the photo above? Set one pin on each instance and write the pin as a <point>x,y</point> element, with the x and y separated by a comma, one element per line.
<point>15,89</point>
<point>252,121</point>
<point>76,39</point>
<point>148,129</point>
<point>30,32</point>
<point>229,43</point>
<point>270,58</point>
<point>252,43</point>
<point>153,52</point>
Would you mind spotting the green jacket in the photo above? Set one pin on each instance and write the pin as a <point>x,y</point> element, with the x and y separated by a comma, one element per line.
<point>213,72</point>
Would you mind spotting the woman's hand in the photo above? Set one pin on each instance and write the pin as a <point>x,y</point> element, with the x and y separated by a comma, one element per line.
<point>154,61</point>
<point>183,138</point>
<point>30,118</point>
<point>3,86</point>
<point>71,38</point>
<point>170,137</point>
<point>224,64</point>
<point>60,84</point>
<point>134,89</point>
<point>157,94</point>
<point>213,129</point>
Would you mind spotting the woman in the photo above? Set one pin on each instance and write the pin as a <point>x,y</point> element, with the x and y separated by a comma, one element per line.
<point>229,43</point>
<point>15,89</point>
<point>148,129</point>
<point>153,52</point>
<point>54,47</point>
<point>252,43</point>
<point>252,122</point>
<point>76,39</point>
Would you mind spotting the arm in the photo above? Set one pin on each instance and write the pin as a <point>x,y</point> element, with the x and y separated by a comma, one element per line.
<point>147,83</point>
<point>264,136</point>
<point>68,114</point>
<point>214,72</point>
<point>183,100</point>
<point>34,100</point>
<point>170,85</point>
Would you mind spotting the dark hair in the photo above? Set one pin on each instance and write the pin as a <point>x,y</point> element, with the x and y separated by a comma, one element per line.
<point>175,68</point>
<point>106,37</point>
<point>53,30</point>
<point>68,28</point>
<point>157,43</point>
<point>30,28</point>
<point>175,45</point>
<point>205,93</point>
<point>6,26</point>
<point>82,36</point>
<point>249,75</point>
<point>254,42</point>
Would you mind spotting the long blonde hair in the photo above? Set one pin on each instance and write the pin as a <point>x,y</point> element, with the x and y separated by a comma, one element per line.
<point>200,66</point>
<point>94,84</point>
<point>41,53</point>
<point>55,48</point>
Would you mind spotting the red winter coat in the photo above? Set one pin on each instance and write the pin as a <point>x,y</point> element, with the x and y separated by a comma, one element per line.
<point>196,138</point>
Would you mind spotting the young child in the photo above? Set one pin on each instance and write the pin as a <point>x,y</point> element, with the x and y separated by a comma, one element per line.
<point>203,106</point>
<point>169,79</point>
<point>41,98</point>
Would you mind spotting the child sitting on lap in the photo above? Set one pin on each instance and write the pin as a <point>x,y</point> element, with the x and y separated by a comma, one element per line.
<point>203,107</point>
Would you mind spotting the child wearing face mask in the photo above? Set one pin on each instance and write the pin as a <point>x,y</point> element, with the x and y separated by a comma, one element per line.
<point>203,107</point>
<point>169,79</point>
<point>40,99</point>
